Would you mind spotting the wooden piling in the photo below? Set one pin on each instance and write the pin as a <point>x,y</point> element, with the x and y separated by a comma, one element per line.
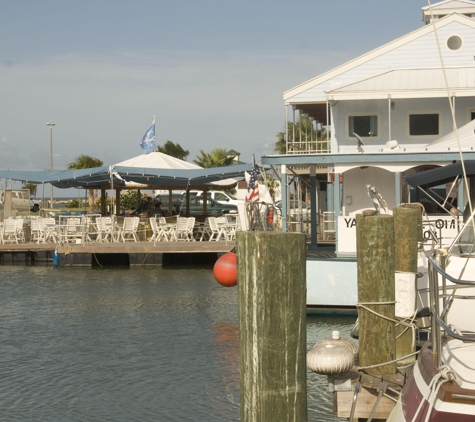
<point>375,261</point>
<point>407,226</point>
<point>272,326</point>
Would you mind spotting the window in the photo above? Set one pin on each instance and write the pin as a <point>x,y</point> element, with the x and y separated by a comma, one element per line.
<point>220,197</point>
<point>363,126</point>
<point>454,43</point>
<point>423,124</point>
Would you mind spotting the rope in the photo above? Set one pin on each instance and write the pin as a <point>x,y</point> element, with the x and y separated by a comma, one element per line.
<point>446,374</point>
<point>387,363</point>
<point>410,325</point>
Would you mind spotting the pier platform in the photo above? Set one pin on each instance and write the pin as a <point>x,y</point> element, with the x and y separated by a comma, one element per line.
<point>115,253</point>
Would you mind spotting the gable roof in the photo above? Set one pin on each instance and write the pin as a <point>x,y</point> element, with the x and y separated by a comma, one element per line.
<point>324,77</point>
<point>409,83</point>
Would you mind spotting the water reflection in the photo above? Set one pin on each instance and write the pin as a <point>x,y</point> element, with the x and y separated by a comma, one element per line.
<point>121,345</point>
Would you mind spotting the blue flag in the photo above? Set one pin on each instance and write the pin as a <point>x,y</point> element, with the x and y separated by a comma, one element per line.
<point>148,141</point>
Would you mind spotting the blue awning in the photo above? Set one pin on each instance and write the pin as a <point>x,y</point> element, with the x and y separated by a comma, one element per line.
<point>127,177</point>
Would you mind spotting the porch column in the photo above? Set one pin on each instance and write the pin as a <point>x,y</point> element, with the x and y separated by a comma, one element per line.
<point>313,205</point>
<point>117,202</point>
<point>283,189</point>
<point>103,201</point>
<point>397,177</point>
<point>286,129</point>
<point>336,203</point>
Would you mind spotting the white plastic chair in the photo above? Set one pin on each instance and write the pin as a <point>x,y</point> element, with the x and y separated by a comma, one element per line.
<point>231,226</point>
<point>128,231</point>
<point>9,231</point>
<point>216,231</point>
<point>104,229</point>
<point>35,229</point>
<point>184,229</point>
<point>159,229</point>
<point>20,233</point>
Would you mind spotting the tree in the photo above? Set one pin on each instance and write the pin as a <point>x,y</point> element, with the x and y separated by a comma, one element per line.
<point>129,199</point>
<point>86,162</point>
<point>308,132</point>
<point>218,157</point>
<point>31,187</point>
<point>174,150</point>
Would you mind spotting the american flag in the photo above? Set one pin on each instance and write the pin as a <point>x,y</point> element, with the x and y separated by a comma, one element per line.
<point>253,186</point>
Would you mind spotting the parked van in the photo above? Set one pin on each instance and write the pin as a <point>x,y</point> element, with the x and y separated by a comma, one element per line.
<point>20,200</point>
<point>219,196</point>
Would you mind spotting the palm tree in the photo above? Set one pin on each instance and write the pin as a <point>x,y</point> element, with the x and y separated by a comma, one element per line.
<point>307,132</point>
<point>86,162</point>
<point>218,157</point>
<point>174,150</point>
<point>31,187</point>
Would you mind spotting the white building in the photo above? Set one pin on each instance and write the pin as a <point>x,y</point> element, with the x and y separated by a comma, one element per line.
<point>396,99</point>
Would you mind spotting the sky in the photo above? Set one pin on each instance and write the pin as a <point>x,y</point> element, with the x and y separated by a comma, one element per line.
<point>212,71</point>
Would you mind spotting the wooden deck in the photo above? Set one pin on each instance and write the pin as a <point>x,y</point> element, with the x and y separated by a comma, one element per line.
<point>130,254</point>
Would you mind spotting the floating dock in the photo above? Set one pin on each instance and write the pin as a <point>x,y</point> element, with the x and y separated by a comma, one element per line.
<point>132,254</point>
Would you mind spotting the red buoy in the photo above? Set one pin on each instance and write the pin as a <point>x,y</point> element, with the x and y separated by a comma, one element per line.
<point>225,270</point>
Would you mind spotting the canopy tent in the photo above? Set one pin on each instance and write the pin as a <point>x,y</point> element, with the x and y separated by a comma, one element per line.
<point>157,160</point>
<point>441,175</point>
<point>121,176</point>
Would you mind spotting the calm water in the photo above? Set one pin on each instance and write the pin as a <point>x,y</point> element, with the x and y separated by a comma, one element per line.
<point>127,345</point>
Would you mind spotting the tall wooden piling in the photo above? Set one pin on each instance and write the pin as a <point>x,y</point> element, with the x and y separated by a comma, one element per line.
<point>407,228</point>
<point>272,326</point>
<point>375,261</point>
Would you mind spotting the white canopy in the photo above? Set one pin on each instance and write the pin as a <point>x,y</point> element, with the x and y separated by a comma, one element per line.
<point>449,142</point>
<point>157,160</point>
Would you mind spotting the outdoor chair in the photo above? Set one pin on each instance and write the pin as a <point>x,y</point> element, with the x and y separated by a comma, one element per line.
<point>231,226</point>
<point>35,229</point>
<point>184,229</point>
<point>158,225</point>
<point>129,228</point>
<point>216,231</point>
<point>47,230</point>
<point>20,232</point>
<point>104,226</point>
<point>9,231</point>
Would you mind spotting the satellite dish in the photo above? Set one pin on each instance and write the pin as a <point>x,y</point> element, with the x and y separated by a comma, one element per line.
<point>360,141</point>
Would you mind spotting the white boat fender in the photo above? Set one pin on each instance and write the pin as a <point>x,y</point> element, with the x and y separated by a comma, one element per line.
<point>330,359</point>
<point>337,340</point>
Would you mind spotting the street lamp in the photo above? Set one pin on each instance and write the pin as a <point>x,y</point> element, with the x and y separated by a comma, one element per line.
<point>51,157</point>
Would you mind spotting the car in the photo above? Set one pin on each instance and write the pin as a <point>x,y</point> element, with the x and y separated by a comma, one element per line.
<point>213,207</point>
<point>164,199</point>
<point>20,200</point>
<point>219,196</point>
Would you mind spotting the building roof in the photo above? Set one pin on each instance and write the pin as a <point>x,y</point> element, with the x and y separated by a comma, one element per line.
<point>445,7</point>
<point>380,51</point>
<point>410,83</point>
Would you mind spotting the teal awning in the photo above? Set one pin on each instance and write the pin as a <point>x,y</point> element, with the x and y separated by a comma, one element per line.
<point>127,177</point>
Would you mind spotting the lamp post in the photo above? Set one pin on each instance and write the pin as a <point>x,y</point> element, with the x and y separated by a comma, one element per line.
<point>51,157</point>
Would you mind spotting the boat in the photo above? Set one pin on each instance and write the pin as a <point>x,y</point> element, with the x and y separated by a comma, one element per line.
<point>442,384</point>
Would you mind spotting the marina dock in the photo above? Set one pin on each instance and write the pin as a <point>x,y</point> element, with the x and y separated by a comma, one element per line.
<point>114,253</point>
